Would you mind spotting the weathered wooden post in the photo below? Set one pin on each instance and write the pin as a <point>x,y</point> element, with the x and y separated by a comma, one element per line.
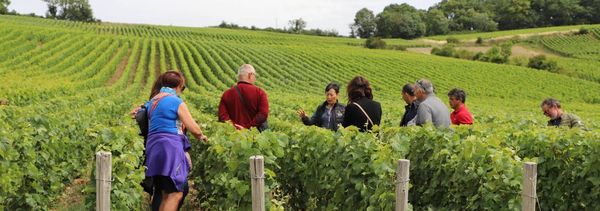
<point>402,178</point>
<point>257,175</point>
<point>529,194</point>
<point>103,180</point>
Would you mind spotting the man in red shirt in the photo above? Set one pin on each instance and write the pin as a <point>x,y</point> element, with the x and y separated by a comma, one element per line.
<point>245,105</point>
<point>460,115</point>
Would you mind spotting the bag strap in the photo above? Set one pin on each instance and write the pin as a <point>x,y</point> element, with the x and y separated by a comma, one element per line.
<point>242,98</point>
<point>368,118</point>
<point>154,104</point>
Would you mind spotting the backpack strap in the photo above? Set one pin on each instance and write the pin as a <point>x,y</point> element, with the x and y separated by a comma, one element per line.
<point>368,118</point>
<point>154,104</point>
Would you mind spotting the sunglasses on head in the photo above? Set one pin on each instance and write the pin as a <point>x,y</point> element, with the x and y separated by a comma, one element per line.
<point>420,84</point>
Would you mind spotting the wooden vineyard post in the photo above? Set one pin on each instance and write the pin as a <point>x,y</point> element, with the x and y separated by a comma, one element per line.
<point>103,180</point>
<point>257,176</point>
<point>529,195</point>
<point>402,177</point>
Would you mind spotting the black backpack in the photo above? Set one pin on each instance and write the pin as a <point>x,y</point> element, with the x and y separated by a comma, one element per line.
<point>141,117</point>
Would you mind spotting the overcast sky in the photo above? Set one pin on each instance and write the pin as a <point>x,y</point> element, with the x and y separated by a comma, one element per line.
<point>323,14</point>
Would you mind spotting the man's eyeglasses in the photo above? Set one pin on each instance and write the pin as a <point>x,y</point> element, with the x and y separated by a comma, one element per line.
<point>546,111</point>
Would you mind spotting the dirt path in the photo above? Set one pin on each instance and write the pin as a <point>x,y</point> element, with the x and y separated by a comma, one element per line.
<point>433,42</point>
<point>517,50</point>
<point>476,49</point>
<point>426,50</point>
<point>72,197</point>
<point>525,36</point>
<point>120,70</point>
<point>521,51</point>
<point>500,38</point>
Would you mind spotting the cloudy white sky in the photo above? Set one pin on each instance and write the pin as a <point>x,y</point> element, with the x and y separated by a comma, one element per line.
<point>323,14</point>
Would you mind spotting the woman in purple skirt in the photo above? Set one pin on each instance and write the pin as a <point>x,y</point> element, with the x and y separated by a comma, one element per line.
<point>166,160</point>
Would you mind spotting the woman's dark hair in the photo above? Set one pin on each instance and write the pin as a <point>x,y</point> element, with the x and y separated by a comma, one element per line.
<point>169,79</point>
<point>358,88</point>
<point>333,86</point>
<point>408,89</point>
<point>172,79</point>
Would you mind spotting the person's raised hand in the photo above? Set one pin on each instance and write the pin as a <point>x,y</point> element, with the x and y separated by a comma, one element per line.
<point>134,111</point>
<point>301,113</point>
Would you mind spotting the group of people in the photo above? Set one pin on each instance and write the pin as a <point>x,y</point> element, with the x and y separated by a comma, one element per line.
<point>362,111</point>
<point>245,105</point>
<point>422,107</point>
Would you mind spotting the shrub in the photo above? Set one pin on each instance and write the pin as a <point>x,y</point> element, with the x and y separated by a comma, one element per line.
<point>583,31</point>
<point>446,50</point>
<point>452,40</point>
<point>519,61</point>
<point>540,62</point>
<point>375,43</point>
<point>399,47</point>
<point>478,56</point>
<point>496,54</point>
<point>479,40</point>
<point>463,54</point>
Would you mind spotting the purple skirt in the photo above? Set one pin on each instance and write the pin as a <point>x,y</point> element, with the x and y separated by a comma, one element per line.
<point>165,156</point>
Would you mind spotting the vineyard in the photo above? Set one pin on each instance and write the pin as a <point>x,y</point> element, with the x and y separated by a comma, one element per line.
<point>514,33</point>
<point>70,86</point>
<point>586,46</point>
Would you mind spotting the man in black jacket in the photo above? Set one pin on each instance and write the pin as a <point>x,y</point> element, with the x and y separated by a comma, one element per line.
<point>408,95</point>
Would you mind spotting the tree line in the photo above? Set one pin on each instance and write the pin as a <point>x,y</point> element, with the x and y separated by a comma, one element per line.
<point>73,10</point>
<point>452,16</point>
<point>295,26</point>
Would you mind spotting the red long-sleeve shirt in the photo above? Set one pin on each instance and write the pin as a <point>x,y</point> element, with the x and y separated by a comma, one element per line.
<point>461,116</point>
<point>232,108</point>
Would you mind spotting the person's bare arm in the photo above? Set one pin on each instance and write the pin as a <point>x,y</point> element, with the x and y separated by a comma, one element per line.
<point>186,117</point>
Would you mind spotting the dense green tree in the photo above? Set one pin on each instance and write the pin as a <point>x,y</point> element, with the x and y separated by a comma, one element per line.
<point>297,25</point>
<point>436,22</point>
<point>558,12</point>
<point>4,6</point>
<point>513,14</point>
<point>591,10</point>
<point>479,15</point>
<point>75,10</point>
<point>468,15</point>
<point>364,23</point>
<point>472,20</point>
<point>400,21</point>
<point>52,11</point>
<point>454,8</point>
